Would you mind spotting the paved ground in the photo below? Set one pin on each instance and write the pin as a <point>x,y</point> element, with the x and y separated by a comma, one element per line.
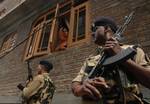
<point>68,99</point>
<point>10,100</point>
<point>59,98</point>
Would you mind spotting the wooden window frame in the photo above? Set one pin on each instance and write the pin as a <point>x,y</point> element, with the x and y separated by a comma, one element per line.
<point>28,45</point>
<point>54,28</point>
<point>36,42</point>
<point>37,38</point>
<point>87,24</point>
<point>8,43</point>
<point>39,28</point>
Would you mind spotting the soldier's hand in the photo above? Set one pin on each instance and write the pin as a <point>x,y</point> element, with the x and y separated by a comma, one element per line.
<point>88,88</point>
<point>112,46</point>
<point>100,82</point>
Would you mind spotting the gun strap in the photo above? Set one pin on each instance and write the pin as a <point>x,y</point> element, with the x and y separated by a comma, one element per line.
<point>120,84</point>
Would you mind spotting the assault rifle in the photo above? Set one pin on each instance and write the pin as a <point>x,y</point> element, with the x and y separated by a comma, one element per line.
<point>30,76</point>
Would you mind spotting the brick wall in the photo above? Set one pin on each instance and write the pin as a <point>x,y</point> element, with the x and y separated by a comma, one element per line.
<point>67,63</point>
<point>117,9</point>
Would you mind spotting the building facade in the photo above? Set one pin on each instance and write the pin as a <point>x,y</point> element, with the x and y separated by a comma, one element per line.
<point>60,31</point>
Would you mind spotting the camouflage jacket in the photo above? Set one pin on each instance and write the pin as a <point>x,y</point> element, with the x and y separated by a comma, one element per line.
<point>40,90</point>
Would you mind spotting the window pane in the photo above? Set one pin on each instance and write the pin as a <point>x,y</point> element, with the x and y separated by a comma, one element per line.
<point>43,45</point>
<point>50,16</point>
<point>65,8</point>
<point>32,39</point>
<point>81,24</point>
<point>78,2</point>
<point>39,21</point>
<point>75,26</point>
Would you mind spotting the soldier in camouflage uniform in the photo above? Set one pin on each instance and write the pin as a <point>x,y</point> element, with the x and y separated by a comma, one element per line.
<point>41,89</point>
<point>133,70</point>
